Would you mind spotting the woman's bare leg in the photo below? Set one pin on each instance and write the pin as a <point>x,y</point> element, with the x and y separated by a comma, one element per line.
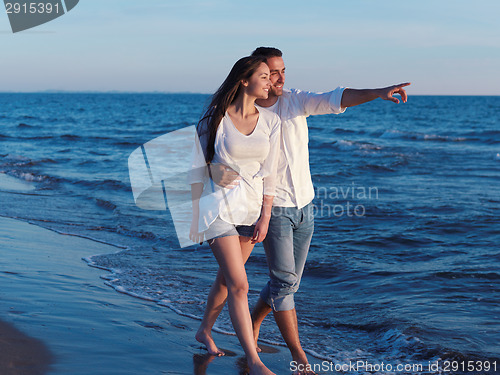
<point>216,301</point>
<point>227,251</point>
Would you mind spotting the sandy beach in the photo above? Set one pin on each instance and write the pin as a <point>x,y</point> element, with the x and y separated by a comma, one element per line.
<point>78,325</point>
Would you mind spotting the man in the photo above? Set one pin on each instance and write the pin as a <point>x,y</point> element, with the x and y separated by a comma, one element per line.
<point>292,223</point>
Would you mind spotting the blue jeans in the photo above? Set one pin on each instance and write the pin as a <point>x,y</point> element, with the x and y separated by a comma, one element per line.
<point>286,245</point>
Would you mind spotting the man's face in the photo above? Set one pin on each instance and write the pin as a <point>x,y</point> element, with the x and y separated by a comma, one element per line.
<point>277,69</point>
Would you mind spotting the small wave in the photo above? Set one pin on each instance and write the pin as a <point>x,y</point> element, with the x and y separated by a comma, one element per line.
<point>15,157</point>
<point>125,143</point>
<point>344,131</point>
<point>345,145</point>
<point>401,344</point>
<point>42,161</point>
<point>105,184</point>
<point>30,177</point>
<point>394,241</point>
<point>322,270</point>
<point>137,234</point>
<point>105,204</point>
<point>467,275</point>
<point>23,161</point>
<point>87,162</point>
<point>395,338</point>
<point>25,126</point>
<point>487,136</point>
<point>443,138</point>
<point>70,137</point>
<point>61,120</point>
<point>378,168</point>
<point>393,134</point>
<point>38,137</point>
<point>367,327</point>
<point>92,152</point>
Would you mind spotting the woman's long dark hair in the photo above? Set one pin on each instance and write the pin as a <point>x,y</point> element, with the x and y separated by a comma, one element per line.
<point>223,97</point>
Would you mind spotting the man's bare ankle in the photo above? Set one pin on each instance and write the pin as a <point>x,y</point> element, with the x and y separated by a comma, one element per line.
<point>299,356</point>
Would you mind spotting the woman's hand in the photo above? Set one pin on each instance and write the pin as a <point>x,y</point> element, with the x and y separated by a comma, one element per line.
<point>262,225</point>
<point>260,231</point>
<point>194,235</point>
<point>224,176</point>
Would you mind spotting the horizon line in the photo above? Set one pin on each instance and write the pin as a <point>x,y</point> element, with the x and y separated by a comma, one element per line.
<point>174,92</point>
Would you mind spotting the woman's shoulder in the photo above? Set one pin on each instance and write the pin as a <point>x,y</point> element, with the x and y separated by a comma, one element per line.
<point>204,124</point>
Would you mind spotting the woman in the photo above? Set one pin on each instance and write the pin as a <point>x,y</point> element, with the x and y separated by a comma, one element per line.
<point>233,132</point>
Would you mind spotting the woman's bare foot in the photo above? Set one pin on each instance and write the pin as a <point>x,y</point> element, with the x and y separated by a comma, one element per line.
<point>208,341</point>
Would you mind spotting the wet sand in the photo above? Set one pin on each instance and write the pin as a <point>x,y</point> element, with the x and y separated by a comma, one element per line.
<point>21,354</point>
<point>50,293</point>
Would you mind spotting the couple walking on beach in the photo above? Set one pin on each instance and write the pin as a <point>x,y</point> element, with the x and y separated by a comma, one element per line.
<point>251,183</point>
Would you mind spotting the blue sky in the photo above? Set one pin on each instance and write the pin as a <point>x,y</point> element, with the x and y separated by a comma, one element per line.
<point>442,47</point>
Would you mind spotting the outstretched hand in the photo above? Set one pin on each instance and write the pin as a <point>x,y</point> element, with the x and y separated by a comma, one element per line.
<point>387,93</point>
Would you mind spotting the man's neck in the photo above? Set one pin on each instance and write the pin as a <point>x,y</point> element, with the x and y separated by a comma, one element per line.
<point>267,102</point>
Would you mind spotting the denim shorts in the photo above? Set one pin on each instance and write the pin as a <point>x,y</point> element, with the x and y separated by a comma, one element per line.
<point>220,228</point>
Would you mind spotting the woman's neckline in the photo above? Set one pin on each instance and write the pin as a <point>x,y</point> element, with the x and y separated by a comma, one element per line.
<point>253,130</point>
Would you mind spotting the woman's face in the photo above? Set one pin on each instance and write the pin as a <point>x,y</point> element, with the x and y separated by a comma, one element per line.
<point>259,83</point>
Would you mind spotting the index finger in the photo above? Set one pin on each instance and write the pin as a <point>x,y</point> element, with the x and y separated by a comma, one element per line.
<point>404,84</point>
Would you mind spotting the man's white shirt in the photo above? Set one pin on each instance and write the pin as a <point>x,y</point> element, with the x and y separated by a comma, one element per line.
<point>294,186</point>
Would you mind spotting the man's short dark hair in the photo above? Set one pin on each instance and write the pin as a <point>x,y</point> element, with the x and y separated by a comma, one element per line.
<point>267,52</point>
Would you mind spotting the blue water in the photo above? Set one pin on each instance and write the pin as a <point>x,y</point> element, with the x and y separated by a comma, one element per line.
<point>404,264</point>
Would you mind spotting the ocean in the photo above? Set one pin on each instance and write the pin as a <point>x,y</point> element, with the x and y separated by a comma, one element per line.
<point>404,266</point>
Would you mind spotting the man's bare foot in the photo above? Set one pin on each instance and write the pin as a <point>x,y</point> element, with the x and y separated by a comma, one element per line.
<point>257,345</point>
<point>208,341</point>
<point>302,363</point>
<point>260,369</point>
<point>306,371</point>
<point>256,329</point>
